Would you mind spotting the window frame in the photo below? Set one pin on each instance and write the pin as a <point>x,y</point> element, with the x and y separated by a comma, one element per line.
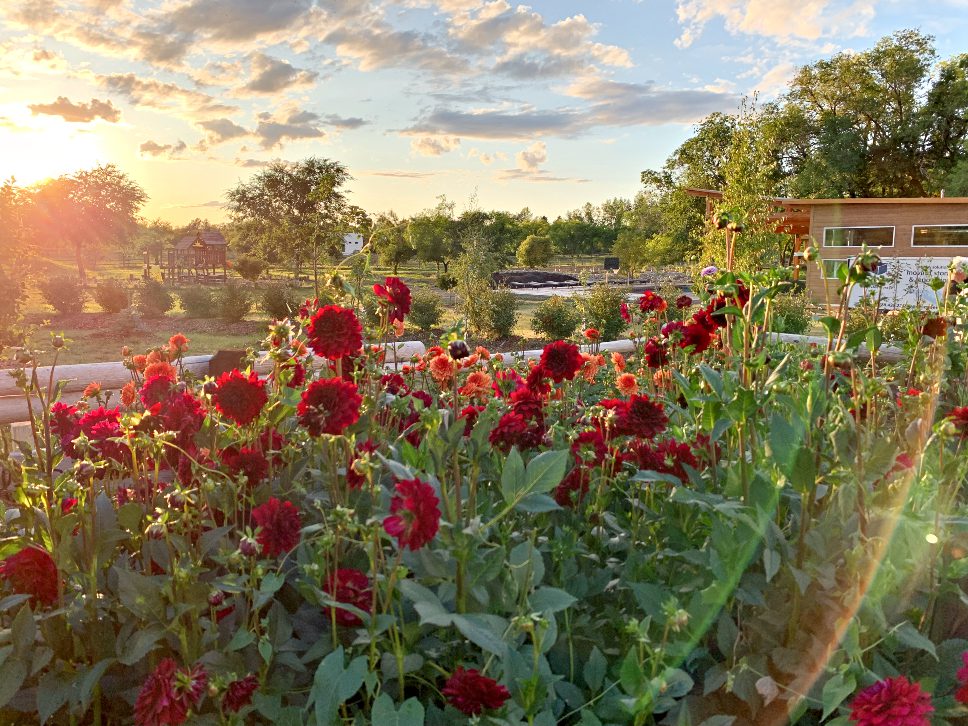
<point>914,227</point>
<point>891,227</point>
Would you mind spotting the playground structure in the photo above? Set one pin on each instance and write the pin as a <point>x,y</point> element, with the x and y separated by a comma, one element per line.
<point>198,259</point>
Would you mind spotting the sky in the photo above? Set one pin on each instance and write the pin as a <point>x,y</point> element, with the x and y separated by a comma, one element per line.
<point>491,103</point>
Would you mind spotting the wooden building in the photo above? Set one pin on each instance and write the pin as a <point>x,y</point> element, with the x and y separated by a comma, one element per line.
<point>916,239</point>
<point>199,257</point>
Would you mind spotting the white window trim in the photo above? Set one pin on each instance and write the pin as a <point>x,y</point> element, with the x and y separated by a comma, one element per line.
<point>860,226</point>
<point>935,247</point>
<point>823,266</point>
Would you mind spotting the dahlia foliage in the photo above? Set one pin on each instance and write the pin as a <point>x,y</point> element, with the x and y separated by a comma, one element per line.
<point>706,527</point>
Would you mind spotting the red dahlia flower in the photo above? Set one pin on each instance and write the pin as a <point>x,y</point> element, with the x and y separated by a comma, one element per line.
<point>683,302</point>
<point>328,406</point>
<point>397,297</point>
<point>638,416</point>
<point>469,416</point>
<point>240,397</point>
<point>354,479</point>
<point>279,527</point>
<point>414,515</point>
<point>573,487</point>
<point>32,571</point>
<point>513,429</point>
<point>350,587</point>
<point>102,427</point>
<point>652,303</point>
<point>623,310</point>
<point>248,461</point>
<point>470,692</point>
<point>961,695</point>
<point>697,336</point>
<point>561,361</point>
<point>655,353</point>
<point>168,694</point>
<point>892,702</point>
<point>334,332</point>
<point>238,694</point>
<point>959,417</point>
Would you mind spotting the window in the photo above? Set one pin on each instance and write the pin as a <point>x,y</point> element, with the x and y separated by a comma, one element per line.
<point>938,235</point>
<point>857,236</point>
<point>830,268</point>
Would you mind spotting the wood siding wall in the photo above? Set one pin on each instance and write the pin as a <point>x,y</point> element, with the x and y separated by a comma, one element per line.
<point>903,217</point>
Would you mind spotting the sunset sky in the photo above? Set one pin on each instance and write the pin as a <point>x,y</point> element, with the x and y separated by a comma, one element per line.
<point>547,105</point>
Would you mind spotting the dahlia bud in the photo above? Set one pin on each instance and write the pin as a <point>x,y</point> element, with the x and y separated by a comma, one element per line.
<point>680,620</point>
<point>811,253</point>
<point>210,388</point>
<point>57,341</point>
<point>176,500</point>
<point>181,387</point>
<point>948,428</point>
<point>216,598</point>
<point>156,530</point>
<point>839,359</point>
<point>735,227</point>
<point>249,547</point>
<point>806,365</point>
<point>458,349</point>
<point>84,470</point>
<point>125,351</point>
<point>721,220</point>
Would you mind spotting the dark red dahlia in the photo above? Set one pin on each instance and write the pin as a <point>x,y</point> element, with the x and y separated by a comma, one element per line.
<point>638,416</point>
<point>892,702</point>
<point>469,416</point>
<point>513,429</point>
<point>102,427</point>
<point>279,527</point>
<point>573,487</point>
<point>155,390</point>
<point>328,406</point>
<point>683,302</point>
<point>414,515</point>
<point>470,692</point>
<point>397,297</point>
<point>705,319</point>
<point>505,376</point>
<point>334,332</point>
<point>589,448</point>
<point>238,694</point>
<point>561,361</point>
<point>536,383</point>
<point>64,424</point>
<point>354,479</point>
<point>934,327</point>
<point>655,353</point>
<point>393,383</point>
<point>959,417</point>
<point>248,461</point>
<point>31,571</point>
<point>183,414</point>
<point>169,693</point>
<point>623,310</point>
<point>650,302</point>
<point>239,397</point>
<point>350,587</point>
<point>527,403</point>
<point>695,337</point>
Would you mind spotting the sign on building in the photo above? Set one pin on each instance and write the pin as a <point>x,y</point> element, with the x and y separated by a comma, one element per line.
<point>907,281</point>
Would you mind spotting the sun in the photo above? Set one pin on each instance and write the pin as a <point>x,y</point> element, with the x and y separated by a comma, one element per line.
<point>45,148</point>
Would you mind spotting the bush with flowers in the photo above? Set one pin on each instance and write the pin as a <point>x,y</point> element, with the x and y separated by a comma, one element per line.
<point>712,530</point>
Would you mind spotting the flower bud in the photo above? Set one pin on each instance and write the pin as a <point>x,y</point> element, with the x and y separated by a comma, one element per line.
<point>216,598</point>
<point>210,387</point>
<point>458,349</point>
<point>156,530</point>
<point>249,547</point>
<point>84,470</point>
<point>811,253</point>
<point>57,341</point>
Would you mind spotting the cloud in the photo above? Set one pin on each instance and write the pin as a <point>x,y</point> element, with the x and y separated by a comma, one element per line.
<point>78,112</point>
<point>486,158</point>
<point>535,176</point>
<point>347,123</point>
<point>434,145</point>
<point>153,148</point>
<point>402,174</point>
<point>238,20</point>
<point>775,18</point>
<point>533,157</point>
<point>251,163</point>
<point>288,124</point>
<point>158,94</point>
<point>271,75</point>
<point>220,130</point>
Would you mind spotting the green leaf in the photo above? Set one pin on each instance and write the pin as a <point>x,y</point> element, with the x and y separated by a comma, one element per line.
<point>714,378</point>
<point>140,644</point>
<point>718,721</point>
<point>426,603</point>
<point>265,650</point>
<point>411,712</point>
<point>546,470</point>
<point>23,631</point>
<point>513,476</point>
<point>831,324</point>
<point>52,693</point>
<point>630,675</point>
<point>551,600</point>
<point>538,504</point>
<point>333,684</point>
<point>241,639</point>
<point>835,691</point>
<point>909,636</point>
<point>12,675</point>
<point>594,669</point>
<point>771,563</point>
<point>484,631</point>
<point>91,678</point>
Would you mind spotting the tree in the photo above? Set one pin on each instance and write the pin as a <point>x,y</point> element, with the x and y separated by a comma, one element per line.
<point>86,210</point>
<point>391,241</point>
<point>630,248</point>
<point>296,209</point>
<point>435,235</point>
<point>534,251</point>
<point>151,237</point>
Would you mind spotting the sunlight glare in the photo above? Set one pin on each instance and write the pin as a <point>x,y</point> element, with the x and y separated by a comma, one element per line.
<point>43,148</point>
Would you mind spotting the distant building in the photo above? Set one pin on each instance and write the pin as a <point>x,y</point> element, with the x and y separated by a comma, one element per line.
<point>352,243</point>
<point>916,239</point>
<point>198,255</point>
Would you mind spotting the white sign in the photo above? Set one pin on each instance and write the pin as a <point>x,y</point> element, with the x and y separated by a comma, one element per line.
<point>906,281</point>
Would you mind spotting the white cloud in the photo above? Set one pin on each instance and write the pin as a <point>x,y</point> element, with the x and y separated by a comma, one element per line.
<point>533,157</point>
<point>434,145</point>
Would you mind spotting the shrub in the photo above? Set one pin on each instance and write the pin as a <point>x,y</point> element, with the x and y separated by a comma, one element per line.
<point>12,292</point>
<point>279,301</point>
<point>153,299</point>
<point>556,318</point>
<point>111,296</point>
<point>426,309</point>
<point>534,251</point>
<point>791,314</point>
<point>601,309</point>
<point>446,281</point>
<point>502,306</point>
<point>233,302</point>
<point>64,293</point>
<point>197,302</point>
<point>249,267</point>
